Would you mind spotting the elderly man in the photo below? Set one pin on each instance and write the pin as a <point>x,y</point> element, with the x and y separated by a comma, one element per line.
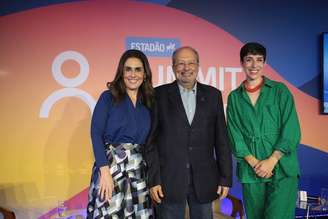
<point>188,152</point>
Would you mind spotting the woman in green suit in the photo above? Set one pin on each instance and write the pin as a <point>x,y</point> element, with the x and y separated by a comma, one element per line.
<point>264,131</point>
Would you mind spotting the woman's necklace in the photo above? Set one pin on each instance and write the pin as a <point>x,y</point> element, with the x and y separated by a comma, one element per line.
<point>254,89</point>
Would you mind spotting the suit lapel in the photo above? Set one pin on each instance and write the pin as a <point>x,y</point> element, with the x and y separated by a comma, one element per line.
<point>200,103</point>
<point>176,101</point>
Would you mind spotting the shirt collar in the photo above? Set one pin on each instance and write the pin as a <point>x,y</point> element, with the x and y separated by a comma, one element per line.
<point>184,90</point>
<point>268,82</point>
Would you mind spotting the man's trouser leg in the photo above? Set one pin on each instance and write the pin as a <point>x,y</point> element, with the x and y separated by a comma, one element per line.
<point>198,210</point>
<point>170,210</point>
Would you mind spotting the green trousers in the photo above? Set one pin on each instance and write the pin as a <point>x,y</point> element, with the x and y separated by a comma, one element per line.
<point>271,200</point>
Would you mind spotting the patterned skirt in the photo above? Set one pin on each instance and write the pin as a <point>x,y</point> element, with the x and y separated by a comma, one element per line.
<point>130,198</point>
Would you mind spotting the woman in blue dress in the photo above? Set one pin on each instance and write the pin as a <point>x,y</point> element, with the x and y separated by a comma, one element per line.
<point>119,128</point>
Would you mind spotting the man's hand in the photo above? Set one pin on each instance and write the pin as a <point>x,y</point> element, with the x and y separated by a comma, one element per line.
<point>156,193</point>
<point>222,191</point>
<point>106,184</point>
<point>264,167</point>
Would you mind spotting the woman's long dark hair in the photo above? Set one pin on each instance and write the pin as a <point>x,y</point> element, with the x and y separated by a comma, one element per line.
<point>117,86</point>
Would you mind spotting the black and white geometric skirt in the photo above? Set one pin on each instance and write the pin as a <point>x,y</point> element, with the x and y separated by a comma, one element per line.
<point>130,198</point>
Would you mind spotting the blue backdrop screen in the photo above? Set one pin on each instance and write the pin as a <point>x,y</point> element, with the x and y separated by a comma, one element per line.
<point>325,73</point>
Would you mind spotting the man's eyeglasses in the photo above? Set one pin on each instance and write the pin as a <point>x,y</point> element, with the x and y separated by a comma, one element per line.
<point>182,65</point>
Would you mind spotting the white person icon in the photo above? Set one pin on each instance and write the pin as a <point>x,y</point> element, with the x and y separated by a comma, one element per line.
<point>69,84</point>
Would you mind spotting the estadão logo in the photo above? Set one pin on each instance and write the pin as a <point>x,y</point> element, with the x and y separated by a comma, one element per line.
<point>159,47</point>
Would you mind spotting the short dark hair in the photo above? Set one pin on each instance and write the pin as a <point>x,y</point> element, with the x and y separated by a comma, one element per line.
<point>252,48</point>
<point>174,55</point>
<point>117,86</point>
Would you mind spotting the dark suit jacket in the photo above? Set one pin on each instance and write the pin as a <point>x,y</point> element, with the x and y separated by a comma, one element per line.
<point>174,145</point>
